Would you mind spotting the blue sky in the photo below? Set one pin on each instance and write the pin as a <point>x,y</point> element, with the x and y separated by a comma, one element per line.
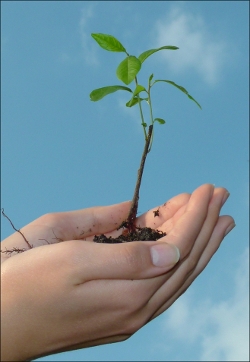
<point>60,151</point>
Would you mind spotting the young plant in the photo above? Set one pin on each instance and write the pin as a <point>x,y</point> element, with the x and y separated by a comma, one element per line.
<point>127,72</point>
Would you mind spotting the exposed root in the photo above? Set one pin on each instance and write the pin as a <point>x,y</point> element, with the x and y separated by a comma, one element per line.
<point>14,249</point>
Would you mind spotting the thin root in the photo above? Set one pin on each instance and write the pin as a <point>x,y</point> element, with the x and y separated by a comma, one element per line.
<point>27,242</point>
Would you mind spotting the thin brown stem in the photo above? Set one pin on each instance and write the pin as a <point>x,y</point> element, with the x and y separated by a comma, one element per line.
<point>130,221</point>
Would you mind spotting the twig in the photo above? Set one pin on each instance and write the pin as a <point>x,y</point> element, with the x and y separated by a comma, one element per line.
<point>130,222</point>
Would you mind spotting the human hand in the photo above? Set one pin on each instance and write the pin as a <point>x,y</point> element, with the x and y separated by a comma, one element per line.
<point>75,293</point>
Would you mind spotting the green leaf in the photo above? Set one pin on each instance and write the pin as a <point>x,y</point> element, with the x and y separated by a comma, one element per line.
<point>180,88</point>
<point>190,97</point>
<point>150,78</point>
<point>144,124</point>
<point>108,42</point>
<point>99,93</point>
<point>160,120</point>
<point>143,56</point>
<point>139,88</point>
<point>127,69</point>
<point>134,100</point>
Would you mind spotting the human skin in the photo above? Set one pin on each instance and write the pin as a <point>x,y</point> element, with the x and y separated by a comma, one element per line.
<point>73,293</point>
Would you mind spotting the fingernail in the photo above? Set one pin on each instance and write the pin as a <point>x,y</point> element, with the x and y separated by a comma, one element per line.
<point>226,196</point>
<point>165,255</point>
<point>230,228</point>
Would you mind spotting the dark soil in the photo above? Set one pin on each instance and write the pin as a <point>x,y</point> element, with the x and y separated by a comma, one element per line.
<point>139,234</point>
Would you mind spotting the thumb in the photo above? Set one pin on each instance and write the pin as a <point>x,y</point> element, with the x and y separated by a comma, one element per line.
<point>133,260</point>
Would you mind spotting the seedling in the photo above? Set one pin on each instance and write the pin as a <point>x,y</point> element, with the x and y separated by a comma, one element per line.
<point>127,72</point>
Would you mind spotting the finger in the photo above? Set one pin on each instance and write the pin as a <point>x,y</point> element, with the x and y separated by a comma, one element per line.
<point>166,211</point>
<point>169,224</point>
<point>191,252</point>
<point>215,205</point>
<point>189,264</point>
<point>188,227</point>
<point>83,223</point>
<point>224,224</point>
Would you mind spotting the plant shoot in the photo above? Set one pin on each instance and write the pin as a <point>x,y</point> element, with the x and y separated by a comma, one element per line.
<point>127,72</point>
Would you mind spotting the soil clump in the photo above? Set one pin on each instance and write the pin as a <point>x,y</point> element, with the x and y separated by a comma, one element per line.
<point>139,234</point>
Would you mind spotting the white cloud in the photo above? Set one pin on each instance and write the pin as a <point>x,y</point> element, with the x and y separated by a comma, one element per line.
<point>88,45</point>
<point>199,50</point>
<point>88,52</point>
<point>220,331</point>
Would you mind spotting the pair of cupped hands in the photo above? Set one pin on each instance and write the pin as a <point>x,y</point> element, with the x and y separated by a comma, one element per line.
<point>68,293</point>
